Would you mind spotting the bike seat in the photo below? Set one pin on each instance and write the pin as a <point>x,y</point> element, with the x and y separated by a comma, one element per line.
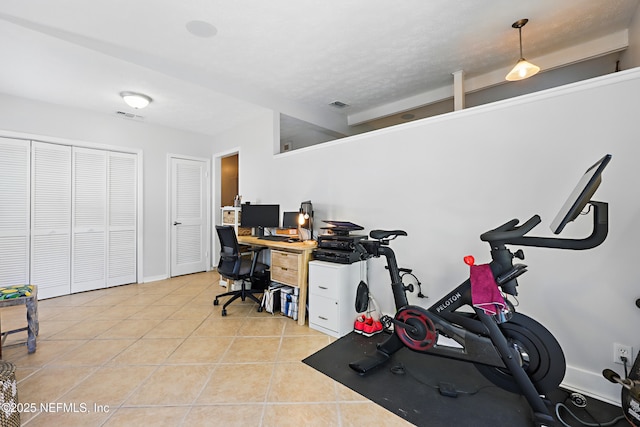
<point>384,234</point>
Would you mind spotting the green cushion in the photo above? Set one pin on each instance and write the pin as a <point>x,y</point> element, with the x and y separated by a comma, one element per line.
<point>18,291</point>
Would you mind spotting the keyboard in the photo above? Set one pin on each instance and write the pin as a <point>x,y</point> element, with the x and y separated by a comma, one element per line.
<point>275,238</point>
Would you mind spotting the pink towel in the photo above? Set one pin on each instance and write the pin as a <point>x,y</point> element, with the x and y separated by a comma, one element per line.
<point>484,290</point>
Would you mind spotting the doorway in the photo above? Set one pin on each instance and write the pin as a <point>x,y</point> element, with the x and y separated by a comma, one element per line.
<point>226,184</point>
<point>228,179</point>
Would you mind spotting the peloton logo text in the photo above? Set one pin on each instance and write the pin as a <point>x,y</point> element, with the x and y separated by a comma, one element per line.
<point>453,298</point>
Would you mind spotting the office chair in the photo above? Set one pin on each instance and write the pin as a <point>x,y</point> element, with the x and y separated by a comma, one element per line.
<point>232,266</point>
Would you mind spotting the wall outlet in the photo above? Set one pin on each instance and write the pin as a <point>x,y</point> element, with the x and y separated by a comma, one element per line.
<point>619,351</point>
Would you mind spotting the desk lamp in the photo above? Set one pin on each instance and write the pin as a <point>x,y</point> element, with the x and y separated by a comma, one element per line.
<point>305,221</point>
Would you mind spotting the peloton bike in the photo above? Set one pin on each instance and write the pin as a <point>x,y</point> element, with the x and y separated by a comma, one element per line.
<point>513,351</point>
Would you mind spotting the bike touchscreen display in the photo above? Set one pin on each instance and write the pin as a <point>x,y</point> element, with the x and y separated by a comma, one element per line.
<point>580,196</point>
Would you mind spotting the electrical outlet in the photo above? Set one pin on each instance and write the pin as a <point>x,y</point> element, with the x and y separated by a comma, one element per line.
<point>619,351</point>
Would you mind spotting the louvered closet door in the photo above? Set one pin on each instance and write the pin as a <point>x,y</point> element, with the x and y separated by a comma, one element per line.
<point>89,212</point>
<point>51,219</point>
<point>122,218</point>
<point>14,211</point>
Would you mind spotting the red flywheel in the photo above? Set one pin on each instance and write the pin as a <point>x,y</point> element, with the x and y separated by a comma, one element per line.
<point>419,334</point>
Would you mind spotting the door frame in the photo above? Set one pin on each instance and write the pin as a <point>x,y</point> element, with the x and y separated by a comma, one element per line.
<point>207,202</point>
<point>216,177</point>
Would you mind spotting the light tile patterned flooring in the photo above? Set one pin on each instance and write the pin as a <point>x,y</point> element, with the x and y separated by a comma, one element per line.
<point>160,354</point>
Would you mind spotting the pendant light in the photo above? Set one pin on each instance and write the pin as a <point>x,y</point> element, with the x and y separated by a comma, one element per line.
<point>523,69</point>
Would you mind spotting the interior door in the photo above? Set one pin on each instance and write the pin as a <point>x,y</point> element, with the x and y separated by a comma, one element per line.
<point>51,219</point>
<point>122,219</point>
<point>188,216</point>
<point>89,199</point>
<point>14,211</point>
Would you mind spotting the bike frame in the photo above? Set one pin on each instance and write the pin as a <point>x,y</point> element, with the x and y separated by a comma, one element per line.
<point>473,335</point>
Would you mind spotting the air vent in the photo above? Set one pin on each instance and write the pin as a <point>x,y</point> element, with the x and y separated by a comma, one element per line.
<point>129,116</point>
<point>339,104</point>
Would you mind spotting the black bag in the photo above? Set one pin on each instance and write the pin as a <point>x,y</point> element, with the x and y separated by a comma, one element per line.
<point>362,297</point>
<point>261,280</point>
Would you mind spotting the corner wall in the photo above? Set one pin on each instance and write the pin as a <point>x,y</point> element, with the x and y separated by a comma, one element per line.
<point>447,179</point>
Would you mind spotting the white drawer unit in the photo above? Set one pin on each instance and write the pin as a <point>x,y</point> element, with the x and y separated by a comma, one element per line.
<point>332,296</point>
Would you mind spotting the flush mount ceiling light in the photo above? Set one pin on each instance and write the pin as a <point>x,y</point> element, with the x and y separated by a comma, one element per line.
<point>135,100</point>
<point>523,69</point>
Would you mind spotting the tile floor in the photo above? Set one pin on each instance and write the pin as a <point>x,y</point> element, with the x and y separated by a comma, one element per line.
<point>161,354</point>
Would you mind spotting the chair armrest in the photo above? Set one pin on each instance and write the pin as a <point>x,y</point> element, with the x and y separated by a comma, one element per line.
<point>256,251</point>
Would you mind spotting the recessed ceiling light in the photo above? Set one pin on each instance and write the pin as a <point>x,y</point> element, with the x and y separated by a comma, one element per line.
<point>201,29</point>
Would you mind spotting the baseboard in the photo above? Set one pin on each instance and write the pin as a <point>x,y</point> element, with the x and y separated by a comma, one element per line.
<point>154,278</point>
<point>592,384</point>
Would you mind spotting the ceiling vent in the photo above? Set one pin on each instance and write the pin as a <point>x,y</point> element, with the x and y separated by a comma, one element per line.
<point>129,116</point>
<point>339,104</point>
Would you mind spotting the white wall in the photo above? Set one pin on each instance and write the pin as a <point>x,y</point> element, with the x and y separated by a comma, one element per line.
<point>23,118</point>
<point>444,180</point>
<point>447,179</point>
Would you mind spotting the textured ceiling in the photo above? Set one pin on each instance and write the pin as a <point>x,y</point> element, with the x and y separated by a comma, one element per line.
<point>293,56</point>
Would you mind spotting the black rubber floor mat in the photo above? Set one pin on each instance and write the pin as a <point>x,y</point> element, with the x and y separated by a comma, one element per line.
<point>420,388</point>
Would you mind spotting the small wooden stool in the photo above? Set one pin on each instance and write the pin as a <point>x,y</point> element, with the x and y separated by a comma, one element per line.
<point>27,295</point>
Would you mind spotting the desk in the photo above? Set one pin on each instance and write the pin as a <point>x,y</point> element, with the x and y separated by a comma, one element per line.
<point>304,251</point>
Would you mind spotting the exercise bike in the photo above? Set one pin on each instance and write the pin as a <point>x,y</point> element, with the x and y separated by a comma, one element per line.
<point>630,393</point>
<point>513,351</point>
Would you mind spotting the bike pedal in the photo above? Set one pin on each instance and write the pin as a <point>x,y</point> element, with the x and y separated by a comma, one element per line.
<point>447,389</point>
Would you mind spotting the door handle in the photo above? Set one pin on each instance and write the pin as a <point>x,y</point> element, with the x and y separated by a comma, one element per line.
<point>176,223</point>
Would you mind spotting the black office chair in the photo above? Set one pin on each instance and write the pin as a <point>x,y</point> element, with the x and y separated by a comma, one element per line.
<point>234,267</point>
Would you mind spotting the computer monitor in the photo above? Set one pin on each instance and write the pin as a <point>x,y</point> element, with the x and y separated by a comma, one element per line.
<point>290,219</point>
<point>260,216</point>
<point>581,195</point>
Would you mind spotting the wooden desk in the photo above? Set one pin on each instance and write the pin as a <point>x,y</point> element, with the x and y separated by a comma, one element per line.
<point>304,251</point>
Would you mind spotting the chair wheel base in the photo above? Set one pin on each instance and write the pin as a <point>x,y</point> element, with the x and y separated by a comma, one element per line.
<point>260,309</point>
<point>224,312</point>
<point>216,302</point>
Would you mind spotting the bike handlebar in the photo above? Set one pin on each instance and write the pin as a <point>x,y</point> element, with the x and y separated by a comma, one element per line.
<point>508,230</point>
<point>508,233</point>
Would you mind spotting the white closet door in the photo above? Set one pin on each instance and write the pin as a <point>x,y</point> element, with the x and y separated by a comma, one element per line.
<point>51,219</point>
<point>89,219</point>
<point>122,219</point>
<point>14,211</point>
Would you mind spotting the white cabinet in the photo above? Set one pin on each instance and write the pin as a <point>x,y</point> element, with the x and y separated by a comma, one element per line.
<point>332,295</point>
<point>231,216</point>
